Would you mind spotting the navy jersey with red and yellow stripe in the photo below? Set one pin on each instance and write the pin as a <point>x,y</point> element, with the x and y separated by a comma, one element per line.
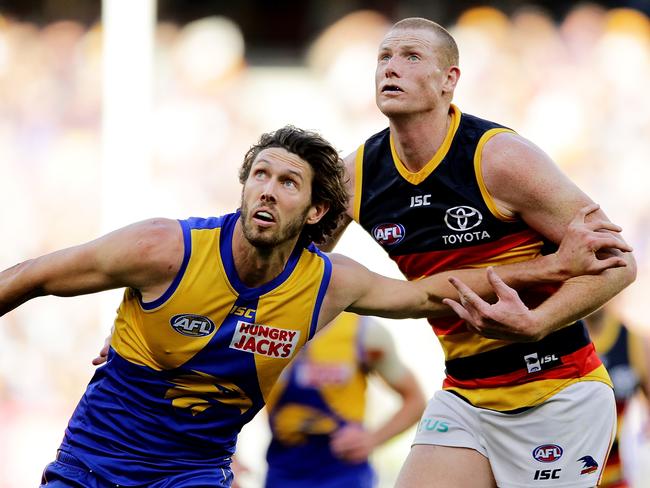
<point>186,371</point>
<point>443,218</point>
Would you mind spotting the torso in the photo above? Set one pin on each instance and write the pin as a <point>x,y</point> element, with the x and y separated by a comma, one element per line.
<point>187,371</point>
<point>443,218</point>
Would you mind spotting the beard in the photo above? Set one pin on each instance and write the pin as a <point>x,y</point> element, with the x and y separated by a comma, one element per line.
<point>268,238</point>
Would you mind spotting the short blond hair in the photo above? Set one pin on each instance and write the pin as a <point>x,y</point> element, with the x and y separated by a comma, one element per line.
<point>449,48</point>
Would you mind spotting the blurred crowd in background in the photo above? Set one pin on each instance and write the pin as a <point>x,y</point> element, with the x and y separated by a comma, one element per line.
<point>577,87</point>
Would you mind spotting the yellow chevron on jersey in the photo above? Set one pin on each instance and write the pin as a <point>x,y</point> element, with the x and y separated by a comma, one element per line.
<point>419,176</point>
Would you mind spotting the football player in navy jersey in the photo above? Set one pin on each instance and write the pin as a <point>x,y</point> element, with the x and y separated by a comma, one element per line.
<point>442,190</point>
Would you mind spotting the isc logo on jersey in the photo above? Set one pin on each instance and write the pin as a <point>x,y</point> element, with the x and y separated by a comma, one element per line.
<point>192,325</point>
<point>388,234</point>
<point>264,340</point>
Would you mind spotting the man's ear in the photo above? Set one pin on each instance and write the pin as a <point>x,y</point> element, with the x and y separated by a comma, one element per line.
<point>453,73</point>
<point>316,212</point>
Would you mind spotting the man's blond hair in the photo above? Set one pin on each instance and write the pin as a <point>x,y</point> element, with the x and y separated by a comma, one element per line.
<point>448,47</point>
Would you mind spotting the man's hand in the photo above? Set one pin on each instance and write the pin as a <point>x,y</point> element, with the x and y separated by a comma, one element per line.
<point>103,352</point>
<point>586,248</point>
<point>507,319</point>
<point>352,444</point>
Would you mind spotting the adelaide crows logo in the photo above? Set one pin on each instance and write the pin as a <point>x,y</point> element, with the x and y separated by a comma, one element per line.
<point>589,465</point>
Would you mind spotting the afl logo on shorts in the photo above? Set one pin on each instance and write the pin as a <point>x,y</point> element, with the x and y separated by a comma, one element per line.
<point>192,325</point>
<point>462,218</point>
<point>548,453</point>
<point>388,234</point>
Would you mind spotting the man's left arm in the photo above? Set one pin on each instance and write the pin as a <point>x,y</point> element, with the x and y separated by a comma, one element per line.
<point>523,182</point>
<point>355,444</point>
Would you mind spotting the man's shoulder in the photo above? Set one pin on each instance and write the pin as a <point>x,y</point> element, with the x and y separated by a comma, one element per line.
<point>208,222</point>
<point>470,120</point>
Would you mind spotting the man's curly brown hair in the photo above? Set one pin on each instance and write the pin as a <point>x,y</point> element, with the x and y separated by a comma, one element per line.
<point>328,185</point>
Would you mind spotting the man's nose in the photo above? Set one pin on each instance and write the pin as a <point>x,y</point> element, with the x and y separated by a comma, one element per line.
<point>269,191</point>
<point>391,68</point>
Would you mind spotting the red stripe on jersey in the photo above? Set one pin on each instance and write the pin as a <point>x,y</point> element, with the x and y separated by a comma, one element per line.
<point>532,297</point>
<point>574,365</point>
<point>417,265</point>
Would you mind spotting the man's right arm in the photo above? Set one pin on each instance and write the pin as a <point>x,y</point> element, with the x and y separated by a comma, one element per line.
<point>146,255</point>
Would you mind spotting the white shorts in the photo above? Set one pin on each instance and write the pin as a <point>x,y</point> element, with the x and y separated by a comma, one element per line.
<point>562,442</point>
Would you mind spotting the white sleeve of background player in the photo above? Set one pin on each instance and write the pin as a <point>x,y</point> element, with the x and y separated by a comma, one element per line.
<point>380,352</point>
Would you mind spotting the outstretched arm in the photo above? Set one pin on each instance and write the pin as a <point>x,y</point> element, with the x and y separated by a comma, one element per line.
<point>146,256</point>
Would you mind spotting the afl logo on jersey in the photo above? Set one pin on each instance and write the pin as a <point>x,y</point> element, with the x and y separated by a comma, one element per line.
<point>388,234</point>
<point>192,325</point>
<point>462,218</point>
<point>548,453</point>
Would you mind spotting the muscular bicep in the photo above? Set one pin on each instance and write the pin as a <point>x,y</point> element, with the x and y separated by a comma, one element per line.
<point>131,256</point>
<point>525,183</point>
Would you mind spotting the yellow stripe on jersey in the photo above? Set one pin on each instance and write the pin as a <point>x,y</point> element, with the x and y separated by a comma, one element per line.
<point>420,176</point>
<point>487,198</point>
<point>510,398</point>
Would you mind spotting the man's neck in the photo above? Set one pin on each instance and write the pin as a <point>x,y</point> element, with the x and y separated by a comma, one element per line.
<point>418,137</point>
<point>257,266</point>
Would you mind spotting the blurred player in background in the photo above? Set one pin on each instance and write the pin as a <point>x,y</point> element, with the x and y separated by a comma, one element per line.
<point>625,355</point>
<point>316,410</point>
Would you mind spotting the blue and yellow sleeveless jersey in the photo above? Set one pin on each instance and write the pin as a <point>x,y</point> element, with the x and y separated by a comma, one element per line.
<point>186,371</point>
<point>443,218</point>
<point>322,390</point>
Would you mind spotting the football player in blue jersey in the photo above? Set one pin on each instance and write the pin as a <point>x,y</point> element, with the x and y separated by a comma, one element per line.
<point>215,308</point>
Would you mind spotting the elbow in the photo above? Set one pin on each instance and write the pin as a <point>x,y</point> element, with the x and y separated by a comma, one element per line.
<point>630,271</point>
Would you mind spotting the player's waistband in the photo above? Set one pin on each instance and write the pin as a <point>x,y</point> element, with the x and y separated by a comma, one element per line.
<point>534,356</point>
<point>66,458</point>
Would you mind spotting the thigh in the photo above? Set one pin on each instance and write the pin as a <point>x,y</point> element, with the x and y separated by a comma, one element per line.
<point>447,451</point>
<point>562,442</point>
<point>445,467</point>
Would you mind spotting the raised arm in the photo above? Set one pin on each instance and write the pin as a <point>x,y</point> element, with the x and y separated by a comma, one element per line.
<point>146,255</point>
<point>524,182</point>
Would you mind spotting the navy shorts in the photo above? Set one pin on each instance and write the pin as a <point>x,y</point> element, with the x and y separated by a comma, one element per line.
<point>68,472</point>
